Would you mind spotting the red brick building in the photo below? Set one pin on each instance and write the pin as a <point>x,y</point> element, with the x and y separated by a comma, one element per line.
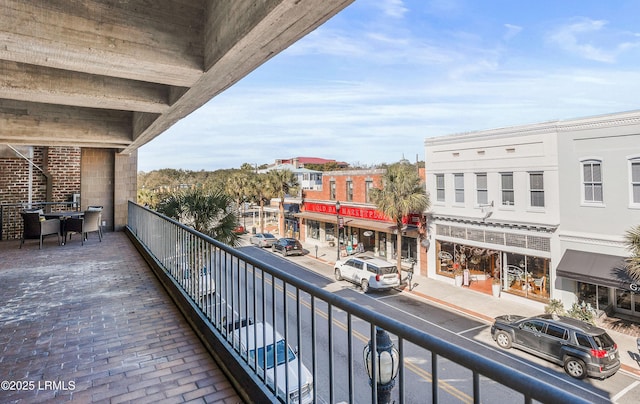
<point>362,227</point>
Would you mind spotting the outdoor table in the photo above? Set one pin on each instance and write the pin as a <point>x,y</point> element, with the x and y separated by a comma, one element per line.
<point>63,216</point>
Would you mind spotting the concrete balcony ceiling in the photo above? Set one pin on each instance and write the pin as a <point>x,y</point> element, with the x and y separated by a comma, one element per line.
<point>118,73</point>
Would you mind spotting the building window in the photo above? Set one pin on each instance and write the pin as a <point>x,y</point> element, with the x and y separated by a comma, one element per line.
<point>592,181</point>
<point>481,189</point>
<point>536,187</point>
<point>507,189</point>
<point>313,229</point>
<point>332,190</point>
<point>635,181</point>
<point>368,185</point>
<point>440,187</point>
<point>349,190</point>
<point>458,183</point>
<point>596,296</point>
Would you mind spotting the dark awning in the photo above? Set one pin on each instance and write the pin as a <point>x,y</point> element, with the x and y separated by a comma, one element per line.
<point>321,217</point>
<point>599,269</point>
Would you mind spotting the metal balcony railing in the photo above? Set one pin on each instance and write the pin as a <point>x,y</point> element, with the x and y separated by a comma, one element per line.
<point>254,313</point>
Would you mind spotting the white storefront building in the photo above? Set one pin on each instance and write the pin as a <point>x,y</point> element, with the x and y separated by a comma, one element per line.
<point>540,208</point>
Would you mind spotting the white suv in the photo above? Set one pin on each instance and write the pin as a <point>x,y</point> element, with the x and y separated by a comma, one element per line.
<point>368,272</point>
<point>287,361</point>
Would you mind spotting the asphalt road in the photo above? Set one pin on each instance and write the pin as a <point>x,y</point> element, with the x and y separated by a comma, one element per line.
<point>455,382</point>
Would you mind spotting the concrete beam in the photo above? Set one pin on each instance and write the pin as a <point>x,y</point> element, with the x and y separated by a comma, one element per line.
<point>47,124</point>
<point>129,70</point>
<point>158,41</point>
<point>253,33</point>
<point>25,82</point>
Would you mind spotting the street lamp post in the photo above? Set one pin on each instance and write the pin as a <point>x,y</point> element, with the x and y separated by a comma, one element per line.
<point>382,364</point>
<point>338,230</point>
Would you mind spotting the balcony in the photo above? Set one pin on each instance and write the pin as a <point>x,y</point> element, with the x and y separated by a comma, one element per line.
<point>130,319</point>
<point>95,321</point>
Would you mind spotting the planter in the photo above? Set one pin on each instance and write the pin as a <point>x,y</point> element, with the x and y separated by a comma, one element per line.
<point>495,288</point>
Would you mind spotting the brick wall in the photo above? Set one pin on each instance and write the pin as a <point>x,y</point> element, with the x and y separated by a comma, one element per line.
<point>101,177</point>
<point>63,166</point>
<point>358,179</point>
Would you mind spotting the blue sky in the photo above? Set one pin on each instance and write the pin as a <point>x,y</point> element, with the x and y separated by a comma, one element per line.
<point>372,83</point>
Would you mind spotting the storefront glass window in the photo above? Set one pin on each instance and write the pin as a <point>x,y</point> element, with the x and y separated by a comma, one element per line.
<point>527,276</point>
<point>409,248</point>
<point>603,297</point>
<point>444,255</point>
<point>329,231</point>
<point>366,240</point>
<point>382,245</point>
<point>313,229</point>
<point>521,274</point>
<point>588,293</point>
<point>596,296</point>
<point>627,302</point>
<point>623,300</point>
<point>479,262</point>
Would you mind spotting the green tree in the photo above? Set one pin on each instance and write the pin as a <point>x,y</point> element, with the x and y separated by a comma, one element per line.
<point>632,242</point>
<point>402,192</point>
<point>147,198</point>
<point>208,212</point>
<point>247,167</point>
<point>282,183</point>
<point>239,188</point>
<point>261,191</point>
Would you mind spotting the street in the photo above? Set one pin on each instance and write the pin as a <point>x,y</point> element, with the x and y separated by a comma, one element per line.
<point>455,382</point>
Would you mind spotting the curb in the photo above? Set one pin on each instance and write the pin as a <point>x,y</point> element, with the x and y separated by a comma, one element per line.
<point>487,319</point>
<point>623,367</point>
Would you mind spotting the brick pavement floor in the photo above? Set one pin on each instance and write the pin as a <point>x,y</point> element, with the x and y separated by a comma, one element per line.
<point>92,324</point>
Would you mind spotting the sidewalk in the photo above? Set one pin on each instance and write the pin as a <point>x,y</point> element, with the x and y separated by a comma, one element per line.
<point>482,306</point>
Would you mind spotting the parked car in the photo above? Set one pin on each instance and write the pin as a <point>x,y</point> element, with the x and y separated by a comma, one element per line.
<point>368,272</point>
<point>288,246</point>
<point>582,348</point>
<point>239,229</point>
<point>263,239</point>
<point>259,348</point>
<point>200,286</point>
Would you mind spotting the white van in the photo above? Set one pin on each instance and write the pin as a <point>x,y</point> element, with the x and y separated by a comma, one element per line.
<point>287,360</point>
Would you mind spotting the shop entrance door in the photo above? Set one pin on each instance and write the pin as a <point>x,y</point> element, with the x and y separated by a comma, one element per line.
<point>627,302</point>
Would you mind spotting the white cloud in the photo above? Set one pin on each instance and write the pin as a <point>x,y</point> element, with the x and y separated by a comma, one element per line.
<point>392,8</point>
<point>369,88</point>
<point>579,37</point>
<point>512,31</point>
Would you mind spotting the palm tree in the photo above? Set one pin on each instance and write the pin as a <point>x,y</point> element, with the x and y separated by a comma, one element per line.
<point>402,193</point>
<point>205,211</point>
<point>146,197</point>
<point>632,241</point>
<point>281,184</point>
<point>261,191</point>
<point>238,187</point>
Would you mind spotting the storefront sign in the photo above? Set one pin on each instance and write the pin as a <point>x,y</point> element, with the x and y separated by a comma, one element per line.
<point>357,212</point>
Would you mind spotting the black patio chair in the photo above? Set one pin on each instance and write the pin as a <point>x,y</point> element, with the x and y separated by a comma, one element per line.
<point>88,223</point>
<point>36,227</point>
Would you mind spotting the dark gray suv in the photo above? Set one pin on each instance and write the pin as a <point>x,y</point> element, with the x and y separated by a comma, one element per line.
<point>582,348</point>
